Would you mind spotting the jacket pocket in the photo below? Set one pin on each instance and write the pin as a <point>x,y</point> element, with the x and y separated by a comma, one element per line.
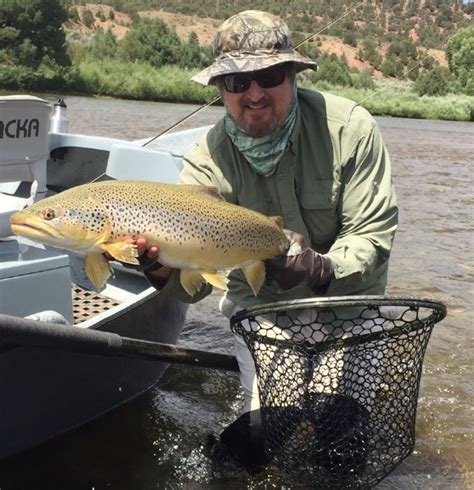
<point>318,208</point>
<point>319,197</point>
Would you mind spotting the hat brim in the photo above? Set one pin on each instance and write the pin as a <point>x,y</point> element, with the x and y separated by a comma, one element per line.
<point>247,63</point>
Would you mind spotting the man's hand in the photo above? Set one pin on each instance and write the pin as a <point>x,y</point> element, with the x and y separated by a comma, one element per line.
<point>301,265</point>
<point>157,273</point>
<point>146,256</point>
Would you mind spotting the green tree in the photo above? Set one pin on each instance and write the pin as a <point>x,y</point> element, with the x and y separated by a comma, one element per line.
<point>460,54</point>
<point>101,16</point>
<point>88,18</point>
<point>34,31</point>
<point>152,41</point>
<point>391,67</point>
<point>350,38</point>
<point>103,44</point>
<point>198,56</point>
<point>434,82</point>
<point>363,79</point>
<point>370,52</point>
<point>332,70</point>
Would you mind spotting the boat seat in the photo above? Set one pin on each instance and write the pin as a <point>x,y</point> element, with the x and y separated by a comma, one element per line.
<point>137,162</point>
<point>133,162</point>
<point>24,126</point>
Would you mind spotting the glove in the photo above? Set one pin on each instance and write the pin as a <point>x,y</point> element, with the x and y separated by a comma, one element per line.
<point>307,268</point>
<point>146,263</point>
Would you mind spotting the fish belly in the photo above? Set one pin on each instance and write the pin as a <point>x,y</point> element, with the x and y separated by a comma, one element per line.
<point>198,257</point>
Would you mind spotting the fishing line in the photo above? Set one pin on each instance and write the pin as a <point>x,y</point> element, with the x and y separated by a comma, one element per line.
<point>327,26</point>
<point>205,106</point>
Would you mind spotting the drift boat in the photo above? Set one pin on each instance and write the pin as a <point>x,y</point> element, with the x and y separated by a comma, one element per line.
<point>47,392</point>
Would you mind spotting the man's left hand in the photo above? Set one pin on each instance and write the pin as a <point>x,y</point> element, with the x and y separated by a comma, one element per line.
<point>308,268</point>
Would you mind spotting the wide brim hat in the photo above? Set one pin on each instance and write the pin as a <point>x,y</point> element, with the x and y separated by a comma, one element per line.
<point>251,41</point>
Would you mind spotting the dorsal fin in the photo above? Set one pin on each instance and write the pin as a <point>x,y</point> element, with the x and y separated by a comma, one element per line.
<point>205,189</point>
<point>278,220</point>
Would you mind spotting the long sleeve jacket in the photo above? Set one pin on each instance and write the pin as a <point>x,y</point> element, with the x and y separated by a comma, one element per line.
<point>333,185</point>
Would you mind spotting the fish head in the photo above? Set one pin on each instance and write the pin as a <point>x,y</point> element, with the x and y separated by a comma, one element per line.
<point>59,222</point>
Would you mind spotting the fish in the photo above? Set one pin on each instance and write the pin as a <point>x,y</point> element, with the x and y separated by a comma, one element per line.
<point>194,228</point>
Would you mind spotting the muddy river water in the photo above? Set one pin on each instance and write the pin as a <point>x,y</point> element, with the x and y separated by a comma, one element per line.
<point>156,440</point>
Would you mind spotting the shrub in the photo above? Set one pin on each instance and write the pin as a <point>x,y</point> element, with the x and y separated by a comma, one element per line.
<point>103,44</point>
<point>88,18</point>
<point>363,79</point>
<point>460,54</point>
<point>332,70</point>
<point>433,82</point>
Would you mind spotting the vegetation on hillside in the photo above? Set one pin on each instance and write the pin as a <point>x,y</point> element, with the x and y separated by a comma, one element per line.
<point>42,48</point>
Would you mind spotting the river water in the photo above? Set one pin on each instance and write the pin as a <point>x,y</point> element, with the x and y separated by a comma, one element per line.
<point>156,440</point>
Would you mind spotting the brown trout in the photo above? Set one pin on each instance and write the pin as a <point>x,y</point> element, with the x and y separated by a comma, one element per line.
<point>194,229</point>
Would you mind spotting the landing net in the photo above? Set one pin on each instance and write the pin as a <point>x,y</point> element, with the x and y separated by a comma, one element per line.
<point>338,380</point>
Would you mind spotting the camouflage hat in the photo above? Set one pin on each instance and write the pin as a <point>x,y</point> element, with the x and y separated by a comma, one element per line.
<point>250,41</point>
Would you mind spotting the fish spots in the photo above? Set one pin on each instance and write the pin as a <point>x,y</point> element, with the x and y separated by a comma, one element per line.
<point>183,219</point>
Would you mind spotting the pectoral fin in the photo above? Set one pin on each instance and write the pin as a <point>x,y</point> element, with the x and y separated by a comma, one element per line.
<point>255,275</point>
<point>122,251</point>
<point>191,281</point>
<point>217,279</point>
<point>98,269</point>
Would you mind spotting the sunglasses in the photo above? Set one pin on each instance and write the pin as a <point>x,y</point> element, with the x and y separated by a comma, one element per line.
<point>238,83</point>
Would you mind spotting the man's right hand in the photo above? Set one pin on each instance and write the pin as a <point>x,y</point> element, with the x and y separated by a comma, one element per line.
<point>147,257</point>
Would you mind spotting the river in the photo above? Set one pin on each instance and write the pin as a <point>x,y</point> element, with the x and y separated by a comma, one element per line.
<point>156,441</point>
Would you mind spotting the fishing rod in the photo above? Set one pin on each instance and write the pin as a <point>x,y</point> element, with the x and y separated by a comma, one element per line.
<point>217,98</point>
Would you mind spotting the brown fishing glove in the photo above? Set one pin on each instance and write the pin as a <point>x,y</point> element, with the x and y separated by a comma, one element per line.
<point>307,268</point>
<point>147,264</point>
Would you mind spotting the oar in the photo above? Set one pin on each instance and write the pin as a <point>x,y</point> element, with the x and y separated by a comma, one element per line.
<point>16,331</point>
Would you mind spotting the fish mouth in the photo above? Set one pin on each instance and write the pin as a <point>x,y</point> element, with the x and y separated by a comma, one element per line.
<point>31,227</point>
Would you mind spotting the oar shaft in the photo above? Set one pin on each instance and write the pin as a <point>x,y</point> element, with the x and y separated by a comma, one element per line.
<point>180,355</point>
<point>15,331</point>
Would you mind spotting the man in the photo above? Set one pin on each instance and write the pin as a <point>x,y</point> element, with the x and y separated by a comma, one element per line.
<point>316,159</point>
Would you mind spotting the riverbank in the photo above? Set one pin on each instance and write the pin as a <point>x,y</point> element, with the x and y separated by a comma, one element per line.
<point>140,81</point>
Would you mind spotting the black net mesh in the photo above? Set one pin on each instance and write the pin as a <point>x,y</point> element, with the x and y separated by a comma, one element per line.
<point>338,380</point>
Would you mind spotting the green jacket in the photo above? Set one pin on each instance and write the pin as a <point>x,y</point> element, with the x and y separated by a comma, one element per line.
<point>333,185</point>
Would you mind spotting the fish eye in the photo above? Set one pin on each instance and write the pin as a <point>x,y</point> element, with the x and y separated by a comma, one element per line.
<point>49,214</point>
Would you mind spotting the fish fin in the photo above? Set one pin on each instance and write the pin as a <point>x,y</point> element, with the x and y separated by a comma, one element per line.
<point>217,279</point>
<point>205,189</point>
<point>191,281</point>
<point>278,220</point>
<point>98,269</point>
<point>255,275</point>
<point>124,252</point>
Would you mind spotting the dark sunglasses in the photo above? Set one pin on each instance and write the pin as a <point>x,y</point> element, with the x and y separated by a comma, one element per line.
<point>238,83</point>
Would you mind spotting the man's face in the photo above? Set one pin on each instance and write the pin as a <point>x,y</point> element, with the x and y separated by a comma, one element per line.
<point>258,111</point>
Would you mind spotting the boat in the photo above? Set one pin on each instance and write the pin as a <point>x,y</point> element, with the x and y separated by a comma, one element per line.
<point>47,392</point>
